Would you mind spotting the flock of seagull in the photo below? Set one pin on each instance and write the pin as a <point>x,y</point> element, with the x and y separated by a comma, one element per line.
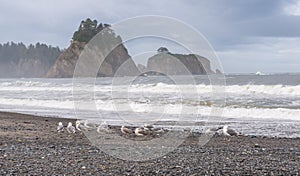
<point>142,131</point>
<point>138,131</point>
<point>104,127</point>
<point>70,128</point>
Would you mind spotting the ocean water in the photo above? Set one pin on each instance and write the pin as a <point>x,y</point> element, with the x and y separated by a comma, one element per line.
<point>254,105</point>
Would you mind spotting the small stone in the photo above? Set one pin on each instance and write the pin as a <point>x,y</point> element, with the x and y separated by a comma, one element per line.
<point>256,145</point>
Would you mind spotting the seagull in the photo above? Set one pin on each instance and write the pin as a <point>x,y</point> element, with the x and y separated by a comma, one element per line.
<point>126,130</point>
<point>159,130</point>
<point>141,132</point>
<point>77,124</point>
<point>228,131</point>
<point>213,130</point>
<point>148,126</point>
<point>85,124</point>
<point>103,127</point>
<point>70,128</point>
<point>60,127</point>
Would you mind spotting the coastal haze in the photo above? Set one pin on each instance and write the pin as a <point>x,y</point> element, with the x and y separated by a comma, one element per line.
<point>199,87</point>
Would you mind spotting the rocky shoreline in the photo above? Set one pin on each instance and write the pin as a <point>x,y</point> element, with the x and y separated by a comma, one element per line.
<point>30,145</point>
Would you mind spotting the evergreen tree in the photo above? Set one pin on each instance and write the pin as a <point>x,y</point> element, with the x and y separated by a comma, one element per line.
<point>87,30</point>
<point>12,53</point>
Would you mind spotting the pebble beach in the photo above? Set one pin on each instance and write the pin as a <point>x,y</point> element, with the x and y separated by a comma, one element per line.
<point>30,145</point>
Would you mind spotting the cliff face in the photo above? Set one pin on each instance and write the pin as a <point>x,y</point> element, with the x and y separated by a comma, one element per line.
<point>179,64</point>
<point>66,62</point>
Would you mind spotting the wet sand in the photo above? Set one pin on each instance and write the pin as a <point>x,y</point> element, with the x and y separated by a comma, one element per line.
<point>30,145</point>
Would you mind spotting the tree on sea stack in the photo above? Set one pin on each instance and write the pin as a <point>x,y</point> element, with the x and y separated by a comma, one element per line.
<point>162,50</point>
<point>87,30</point>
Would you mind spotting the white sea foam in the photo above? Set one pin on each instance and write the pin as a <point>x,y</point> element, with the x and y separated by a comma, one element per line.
<point>165,98</point>
<point>264,89</point>
<point>202,89</point>
<point>152,88</point>
<point>228,112</point>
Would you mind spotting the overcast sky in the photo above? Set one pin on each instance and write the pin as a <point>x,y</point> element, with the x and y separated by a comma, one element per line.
<point>248,35</point>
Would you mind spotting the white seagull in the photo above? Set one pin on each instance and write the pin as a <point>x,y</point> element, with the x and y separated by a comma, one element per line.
<point>159,130</point>
<point>125,130</point>
<point>213,130</point>
<point>60,127</point>
<point>148,126</point>
<point>228,131</point>
<point>77,124</point>
<point>103,127</point>
<point>85,124</point>
<point>141,132</point>
<point>70,128</point>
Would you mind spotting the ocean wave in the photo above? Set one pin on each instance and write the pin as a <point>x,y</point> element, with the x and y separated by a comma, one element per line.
<point>264,89</point>
<point>250,89</point>
<point>159,108</point>
<point>228,112</point>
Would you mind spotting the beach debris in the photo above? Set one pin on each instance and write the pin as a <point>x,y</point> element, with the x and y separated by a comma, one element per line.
<point>229,131</point>
<point>77,124</point>
<point>70,128</point>
<point>256,145</point>
<point>60,127</point>
<point>126,130</point>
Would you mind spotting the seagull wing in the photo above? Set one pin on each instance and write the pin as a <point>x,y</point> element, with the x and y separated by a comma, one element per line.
<point>71,129</point>
<point>60,128</point>
<point>231,132</point>
<point>77,127</point>
<point>127,130</point>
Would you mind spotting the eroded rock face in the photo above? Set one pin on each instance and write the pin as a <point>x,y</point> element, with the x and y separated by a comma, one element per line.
<point>66,62</point>
<point>179,64</point>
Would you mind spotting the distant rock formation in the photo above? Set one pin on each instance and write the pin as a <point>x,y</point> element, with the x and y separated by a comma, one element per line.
<point>66,62</point>
<point>179,64</point>
<point>142,68</point>
<point>116,63</point>
<point>218,72</point>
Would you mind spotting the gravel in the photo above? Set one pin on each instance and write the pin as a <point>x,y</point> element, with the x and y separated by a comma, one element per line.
<point>30,145</point>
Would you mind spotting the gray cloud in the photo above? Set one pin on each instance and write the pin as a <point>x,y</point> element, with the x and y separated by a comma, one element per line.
<point>231,26</point>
